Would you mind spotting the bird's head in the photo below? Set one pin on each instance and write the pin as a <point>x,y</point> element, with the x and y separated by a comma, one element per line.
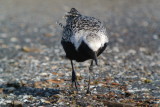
<point>72,13</point>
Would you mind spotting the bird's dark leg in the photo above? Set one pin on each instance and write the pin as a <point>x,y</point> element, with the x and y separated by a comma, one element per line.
<point>95,58</point>
<point>90,70</point>
<point>74,77</point>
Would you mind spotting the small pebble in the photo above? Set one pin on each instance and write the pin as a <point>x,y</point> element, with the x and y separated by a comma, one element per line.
<point>13,39</point>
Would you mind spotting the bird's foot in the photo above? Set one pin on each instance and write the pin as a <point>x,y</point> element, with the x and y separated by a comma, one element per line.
<point>74,80</point>
<point>76,84</point>
<point>88,91</point>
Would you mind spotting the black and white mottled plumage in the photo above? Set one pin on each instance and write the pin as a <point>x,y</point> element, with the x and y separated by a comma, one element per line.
<point>83,38</point>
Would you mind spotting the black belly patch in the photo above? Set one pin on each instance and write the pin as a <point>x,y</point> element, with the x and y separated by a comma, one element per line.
<point>82,54</point>
<point>69,49</point>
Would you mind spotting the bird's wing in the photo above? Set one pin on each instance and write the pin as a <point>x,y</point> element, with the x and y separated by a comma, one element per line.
<point>67,33</point>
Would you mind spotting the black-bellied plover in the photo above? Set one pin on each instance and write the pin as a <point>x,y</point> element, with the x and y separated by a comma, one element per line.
<point>84,38</point>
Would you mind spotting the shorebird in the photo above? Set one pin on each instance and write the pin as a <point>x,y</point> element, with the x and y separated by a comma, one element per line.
<point>83,38</point>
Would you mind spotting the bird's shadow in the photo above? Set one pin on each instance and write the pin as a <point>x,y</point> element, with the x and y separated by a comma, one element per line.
<point>26,90</point>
